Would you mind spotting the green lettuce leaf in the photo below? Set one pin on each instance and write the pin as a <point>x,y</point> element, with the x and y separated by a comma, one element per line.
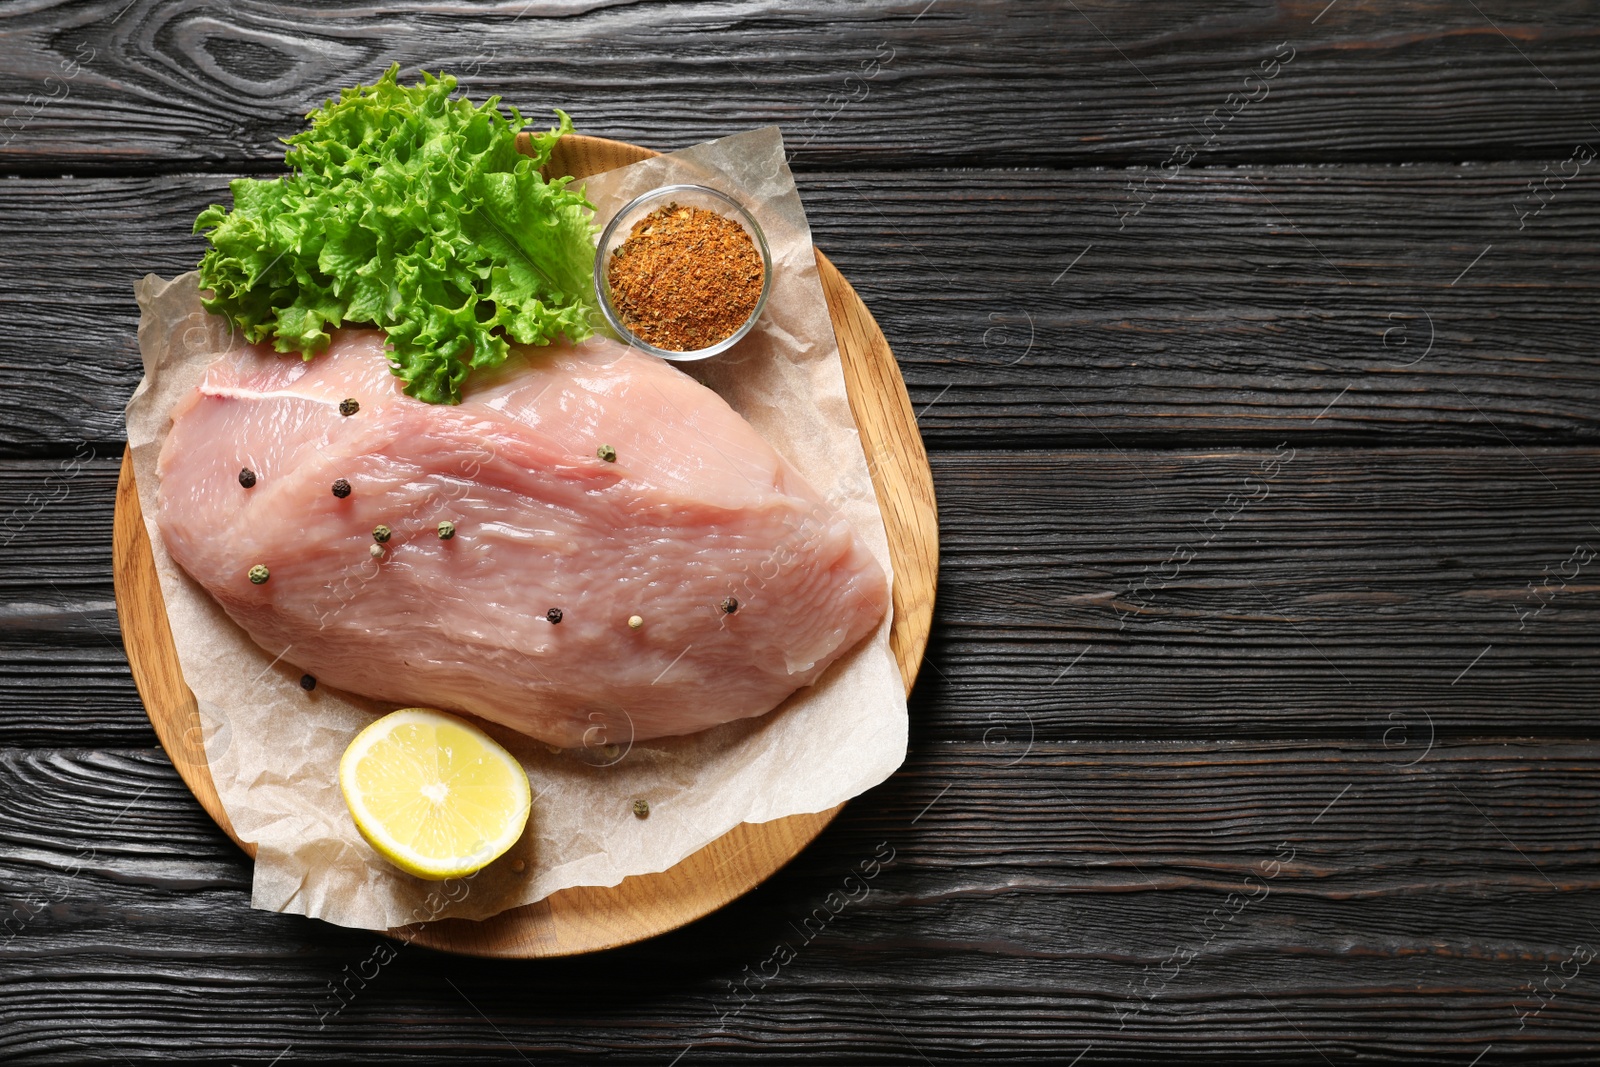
<point>414,212</point>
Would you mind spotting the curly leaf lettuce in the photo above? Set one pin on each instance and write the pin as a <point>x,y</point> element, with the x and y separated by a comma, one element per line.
<point>415,212</point>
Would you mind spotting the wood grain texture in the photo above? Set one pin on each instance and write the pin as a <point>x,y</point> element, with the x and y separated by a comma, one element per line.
<point>1027,911</point>
<point>1218,309</point>
<point>1274,593</point>
<point>591,918</point>
<point>128,85</point>
<point>63,675</point>
<point>1233,309</point>
<point>1345,602</point>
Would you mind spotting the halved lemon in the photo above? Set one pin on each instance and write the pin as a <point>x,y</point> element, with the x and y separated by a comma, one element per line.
<point>435,796</point>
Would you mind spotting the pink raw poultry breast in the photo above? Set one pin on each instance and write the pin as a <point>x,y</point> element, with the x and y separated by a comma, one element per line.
<point>695,513</point>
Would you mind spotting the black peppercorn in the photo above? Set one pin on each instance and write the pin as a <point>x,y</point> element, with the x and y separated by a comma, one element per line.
<point>307,682</point>
<point>730,605</point>
<point>247,478</point>
<point>554,615</point>
<point>341,488</point>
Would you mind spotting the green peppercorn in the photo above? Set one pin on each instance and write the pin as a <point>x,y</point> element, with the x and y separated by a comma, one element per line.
<point>447,530</point>
<point>730,605</point>
<point>381,533</point>
<point>607,453</point>
<point>641,808</point>
<point>349,406</point>
<point>259,574</point>
<point>247,478</point>
<point>341,488</point>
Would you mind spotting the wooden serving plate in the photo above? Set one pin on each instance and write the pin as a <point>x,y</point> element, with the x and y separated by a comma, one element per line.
<point>589,918</point>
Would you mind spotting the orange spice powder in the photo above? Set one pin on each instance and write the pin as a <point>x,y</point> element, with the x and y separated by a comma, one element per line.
<point>686,278</point>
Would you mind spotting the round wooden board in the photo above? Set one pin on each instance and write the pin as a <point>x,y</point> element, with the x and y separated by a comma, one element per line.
<point>588,918</point>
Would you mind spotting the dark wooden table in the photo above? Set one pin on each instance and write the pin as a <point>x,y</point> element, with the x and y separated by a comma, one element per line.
<point>1254,345</point>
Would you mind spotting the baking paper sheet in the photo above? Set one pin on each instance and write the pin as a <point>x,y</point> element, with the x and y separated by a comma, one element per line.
<point>274,748</point>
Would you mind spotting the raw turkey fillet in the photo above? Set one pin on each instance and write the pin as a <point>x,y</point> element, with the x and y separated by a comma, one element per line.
<point>695,509</point>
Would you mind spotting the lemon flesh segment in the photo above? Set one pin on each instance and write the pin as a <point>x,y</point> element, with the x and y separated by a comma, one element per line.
<point>434,795</point>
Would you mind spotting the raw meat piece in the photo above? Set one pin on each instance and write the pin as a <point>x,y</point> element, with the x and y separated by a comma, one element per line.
<point>695,509</point>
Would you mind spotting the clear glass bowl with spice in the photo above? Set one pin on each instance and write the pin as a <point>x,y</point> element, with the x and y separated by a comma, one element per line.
<point>682,272</point>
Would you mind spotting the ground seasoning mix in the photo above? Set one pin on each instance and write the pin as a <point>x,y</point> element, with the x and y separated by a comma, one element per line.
<point>685,278</point>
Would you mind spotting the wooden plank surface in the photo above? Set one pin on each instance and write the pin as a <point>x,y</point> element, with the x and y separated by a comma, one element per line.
<point>1235,308</point>
<point>1083,867</point>
<point>129,85</point>
<point>1378,664</point>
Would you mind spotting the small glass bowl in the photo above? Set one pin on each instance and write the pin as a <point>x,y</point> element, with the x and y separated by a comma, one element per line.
<point>621,225</point>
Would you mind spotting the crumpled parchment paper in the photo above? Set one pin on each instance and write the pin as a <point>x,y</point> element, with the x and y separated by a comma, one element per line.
<point>274,749</point>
